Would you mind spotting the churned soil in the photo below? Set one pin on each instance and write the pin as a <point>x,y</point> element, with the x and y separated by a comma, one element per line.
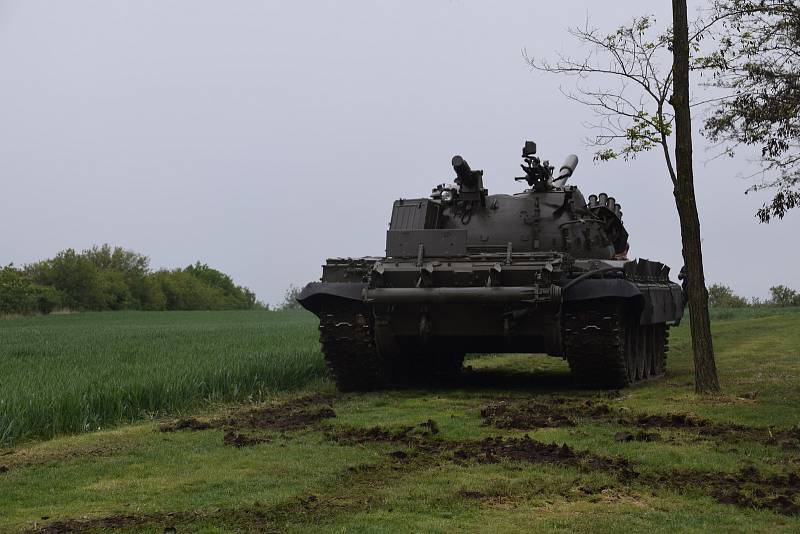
<point>747,488</point>
<point>524,416</point>
<point>561,412</point>
<point>238,440</point>
<point>184,423</point>
<point>294,414</point>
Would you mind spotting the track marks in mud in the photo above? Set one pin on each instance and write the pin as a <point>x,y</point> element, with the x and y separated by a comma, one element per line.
<point>421,447</point>
<point>184,423</point>
<point>295,414</point>
<point>531,415</point>
<point>550,412</point>
<point>748,488</point>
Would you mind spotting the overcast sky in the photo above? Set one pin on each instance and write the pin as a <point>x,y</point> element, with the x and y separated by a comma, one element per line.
<point>262,137</point>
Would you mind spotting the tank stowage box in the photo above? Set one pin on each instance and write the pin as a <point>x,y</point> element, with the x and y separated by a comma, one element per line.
<point>542,271</point>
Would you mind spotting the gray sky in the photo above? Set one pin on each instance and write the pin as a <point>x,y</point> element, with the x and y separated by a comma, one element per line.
<point>263,137</point>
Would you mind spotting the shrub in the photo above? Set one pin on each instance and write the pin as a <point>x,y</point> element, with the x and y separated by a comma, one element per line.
<point>112,278</point>
<point>784,296</point>
<point>721,296</point>
<point>290,299</point>
<point>19,295</point>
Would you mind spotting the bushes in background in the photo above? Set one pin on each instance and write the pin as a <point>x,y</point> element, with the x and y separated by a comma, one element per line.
<point>105,278</point>
<point>18,294</point>
<point>721,296</point>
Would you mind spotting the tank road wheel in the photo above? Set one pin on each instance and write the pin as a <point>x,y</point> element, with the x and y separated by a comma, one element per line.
<point>348,344</point>
<point>606,347</point>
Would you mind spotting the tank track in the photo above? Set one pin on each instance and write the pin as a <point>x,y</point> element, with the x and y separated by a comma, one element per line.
<point>347,336</point>
<point>348,344</point>
<point>607,349</point>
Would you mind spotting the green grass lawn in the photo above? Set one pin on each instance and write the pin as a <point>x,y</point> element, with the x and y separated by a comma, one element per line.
<point>730,472</point>
<point>73,373</point>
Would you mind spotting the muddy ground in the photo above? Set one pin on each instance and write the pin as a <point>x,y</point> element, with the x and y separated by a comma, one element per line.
<point>418,447</point>
<point>566,412</point>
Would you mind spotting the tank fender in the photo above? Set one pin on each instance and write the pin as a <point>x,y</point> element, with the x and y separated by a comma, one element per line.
<point>590,289</point>
<point>602,288</point>
<point>656,304</point>
<point>312,296</point>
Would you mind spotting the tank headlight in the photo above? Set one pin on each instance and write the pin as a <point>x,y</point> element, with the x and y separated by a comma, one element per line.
<point>447,196</point>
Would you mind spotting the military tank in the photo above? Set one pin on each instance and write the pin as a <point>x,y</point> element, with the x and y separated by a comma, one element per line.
<point>541,271</point>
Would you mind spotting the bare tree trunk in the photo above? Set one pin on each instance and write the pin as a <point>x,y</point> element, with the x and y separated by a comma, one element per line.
<point>705,369</point>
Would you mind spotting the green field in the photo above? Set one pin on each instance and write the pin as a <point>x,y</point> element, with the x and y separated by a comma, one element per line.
<point>72,373</point>
<point>654,457</point>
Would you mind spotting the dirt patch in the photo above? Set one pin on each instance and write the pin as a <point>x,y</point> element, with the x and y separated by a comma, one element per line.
<point>113,522</point>
<point>294,414</point>
<point>747,488</point>
<point>431,425</point>
<point>638,436</point>
<point>525,449</point>
<point>501,500</point>
<point>29,457</point>
<point>235,439</point>
<point>399,455</point>
<point>291,415</point>
<point>524,416</point>
<point>184,423</point>
<point>786,439</point>
<point>567,412</point>
<point>413,435</point>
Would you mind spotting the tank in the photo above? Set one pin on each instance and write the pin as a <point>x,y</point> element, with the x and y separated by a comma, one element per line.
<point>543,271</point>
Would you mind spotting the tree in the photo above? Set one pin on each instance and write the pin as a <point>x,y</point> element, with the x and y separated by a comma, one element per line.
<point>290,299</point>
<point>106,278</point>
<point>721,296</point>
<point>705,369</point>
<point>124,273</point>
<point>757,64</point>
<point>18,294</point>
<point>639,114</point>
<point>784,296</point>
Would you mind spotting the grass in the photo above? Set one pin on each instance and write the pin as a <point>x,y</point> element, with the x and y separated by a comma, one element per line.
<point>140,480</point>
<point>72,373</point>
<point>751,312</point>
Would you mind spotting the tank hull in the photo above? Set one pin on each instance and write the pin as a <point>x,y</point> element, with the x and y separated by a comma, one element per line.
<point>412,312</point>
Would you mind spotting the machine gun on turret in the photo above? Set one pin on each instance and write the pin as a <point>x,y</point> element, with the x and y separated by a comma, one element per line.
<point>539,174</point>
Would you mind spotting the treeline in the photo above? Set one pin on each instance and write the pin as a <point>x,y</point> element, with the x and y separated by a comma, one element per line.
<point>105,278</point>
<point>722,296</point>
